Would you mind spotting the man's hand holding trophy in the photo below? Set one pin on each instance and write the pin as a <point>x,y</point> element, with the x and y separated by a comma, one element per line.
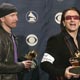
<point>31,55</point>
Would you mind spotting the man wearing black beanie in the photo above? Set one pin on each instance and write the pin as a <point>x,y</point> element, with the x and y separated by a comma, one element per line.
<point>9,66</point>
<point>6,9</point>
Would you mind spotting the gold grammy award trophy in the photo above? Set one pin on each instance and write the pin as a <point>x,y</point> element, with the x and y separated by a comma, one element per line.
<point>75,60</point>
<point>32,40</point>
<point>31,55</point>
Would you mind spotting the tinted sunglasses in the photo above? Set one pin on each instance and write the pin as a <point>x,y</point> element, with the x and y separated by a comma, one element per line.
<point>74,17</point>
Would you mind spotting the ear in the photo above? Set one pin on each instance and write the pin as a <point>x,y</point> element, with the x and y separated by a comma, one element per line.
<point>2,19</point>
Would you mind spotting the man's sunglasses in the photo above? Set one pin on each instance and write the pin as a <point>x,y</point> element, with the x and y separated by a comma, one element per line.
<point>74,17</point>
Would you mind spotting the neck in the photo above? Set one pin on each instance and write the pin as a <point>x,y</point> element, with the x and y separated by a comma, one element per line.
<point>6,28</point>
<point>73,34</point>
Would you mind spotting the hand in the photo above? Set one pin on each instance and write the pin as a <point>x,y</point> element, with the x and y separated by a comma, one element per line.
<point>27,64</point>
<point>69,74</point>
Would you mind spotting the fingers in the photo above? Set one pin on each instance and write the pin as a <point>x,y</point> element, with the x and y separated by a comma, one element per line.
<point>76,76</point>
<point>69,75</point>
<point>27,63</point>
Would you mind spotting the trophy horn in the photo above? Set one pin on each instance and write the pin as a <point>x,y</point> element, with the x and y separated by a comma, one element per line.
<point>31,55</point>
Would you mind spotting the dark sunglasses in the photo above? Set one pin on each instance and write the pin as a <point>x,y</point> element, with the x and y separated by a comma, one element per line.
<point>70,17</point>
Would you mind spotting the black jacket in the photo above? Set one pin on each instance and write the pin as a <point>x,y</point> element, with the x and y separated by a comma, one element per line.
<point>57,48</point>
<point>8,68</point>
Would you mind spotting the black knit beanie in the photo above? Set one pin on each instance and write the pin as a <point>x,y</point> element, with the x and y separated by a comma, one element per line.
<point>7,8</point>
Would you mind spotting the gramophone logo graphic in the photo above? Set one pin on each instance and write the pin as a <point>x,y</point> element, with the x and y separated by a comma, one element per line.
<point>31,17</point>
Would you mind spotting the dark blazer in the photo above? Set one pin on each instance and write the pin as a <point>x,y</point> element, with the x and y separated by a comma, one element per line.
<point>60,50</point>
<point>8,68</point>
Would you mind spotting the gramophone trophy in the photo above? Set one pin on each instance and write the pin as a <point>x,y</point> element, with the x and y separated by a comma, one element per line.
<point>31,55</point>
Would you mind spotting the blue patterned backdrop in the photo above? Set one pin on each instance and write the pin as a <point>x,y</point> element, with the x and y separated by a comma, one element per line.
<point>38,20</point>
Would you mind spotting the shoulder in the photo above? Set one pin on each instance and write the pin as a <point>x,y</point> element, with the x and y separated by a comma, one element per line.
<point>2,31</point>
<point>3,34</point>
<point>55,38</point>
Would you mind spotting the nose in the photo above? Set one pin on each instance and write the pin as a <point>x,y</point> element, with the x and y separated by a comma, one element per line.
<point>72,18</point>
<point>16,18</point>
